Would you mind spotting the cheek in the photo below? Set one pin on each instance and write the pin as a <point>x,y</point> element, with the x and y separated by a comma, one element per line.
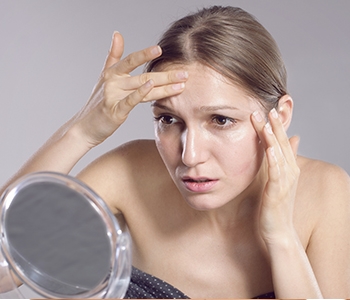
<point>243,155</point>
<point>167,149</point>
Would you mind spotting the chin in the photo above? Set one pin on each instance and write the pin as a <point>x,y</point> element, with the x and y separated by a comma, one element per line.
<point>204,202</point>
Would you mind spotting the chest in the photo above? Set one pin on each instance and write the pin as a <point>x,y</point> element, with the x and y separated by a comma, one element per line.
<point>202,265</point>
<point>168,244</point>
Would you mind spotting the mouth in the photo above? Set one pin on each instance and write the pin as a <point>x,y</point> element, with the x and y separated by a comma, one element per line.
<point>189,179</point>
<point>199,184</point>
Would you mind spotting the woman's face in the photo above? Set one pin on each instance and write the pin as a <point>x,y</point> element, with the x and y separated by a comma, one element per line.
<point>206,139</point>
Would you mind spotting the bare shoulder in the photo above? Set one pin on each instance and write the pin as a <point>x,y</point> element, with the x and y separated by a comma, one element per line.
<point>322,178</point>
<point>323,197</point>
<point>323,221</point>
<point>119,173</point>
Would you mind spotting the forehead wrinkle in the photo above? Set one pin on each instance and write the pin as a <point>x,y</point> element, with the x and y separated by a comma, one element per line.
<point>217,107</point>
<point>161,106</point>
<point>204,108</point>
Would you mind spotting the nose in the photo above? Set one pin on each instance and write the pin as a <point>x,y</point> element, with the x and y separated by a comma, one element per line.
<point>194,148</point>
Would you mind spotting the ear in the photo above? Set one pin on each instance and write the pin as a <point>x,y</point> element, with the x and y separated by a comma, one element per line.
<point>285,110</point>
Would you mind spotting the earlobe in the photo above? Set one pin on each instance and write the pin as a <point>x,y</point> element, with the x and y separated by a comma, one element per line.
<point>285,110</point>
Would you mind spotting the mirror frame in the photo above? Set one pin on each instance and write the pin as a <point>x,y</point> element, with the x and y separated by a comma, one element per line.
<point>116,282</point>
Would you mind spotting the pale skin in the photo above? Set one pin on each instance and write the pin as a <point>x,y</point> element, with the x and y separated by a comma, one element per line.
<point>211,208</point>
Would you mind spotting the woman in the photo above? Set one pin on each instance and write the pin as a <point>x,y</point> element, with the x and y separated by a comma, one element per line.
<point>220,204</point>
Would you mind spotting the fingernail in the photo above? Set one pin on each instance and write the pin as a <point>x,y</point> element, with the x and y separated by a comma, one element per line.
<point>182,75</point>
<point>114,33</point>
<point>268,128</point>
<point>156,50</point>
<point>272,151</point>
<point>257,116</point>
<point>113,36</point>
<point>274,113</point>
<point>149,83</point>
<point>178,86</point>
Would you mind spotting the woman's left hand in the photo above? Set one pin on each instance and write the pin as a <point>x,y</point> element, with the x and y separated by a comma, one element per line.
<point>282,173</point>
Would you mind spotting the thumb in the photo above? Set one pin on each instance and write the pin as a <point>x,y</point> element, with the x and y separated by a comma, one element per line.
<point>116,51</point>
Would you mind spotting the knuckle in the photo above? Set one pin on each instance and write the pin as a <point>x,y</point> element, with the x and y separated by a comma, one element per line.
<point>108,88</point>
<point>170,77</point>
<point>119,114</point>
<point>285,143</point>
<point>106,74</point>
<point>144,78</point>
<point>133,99</point>
<point>138,94</point>
<point>129,60</point>
<point>281,162</point>
<point>129,102</point>
<point>141,93</point>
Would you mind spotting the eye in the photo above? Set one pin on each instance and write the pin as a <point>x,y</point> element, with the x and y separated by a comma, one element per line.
<point>165,119</point>
<point>223,121</point>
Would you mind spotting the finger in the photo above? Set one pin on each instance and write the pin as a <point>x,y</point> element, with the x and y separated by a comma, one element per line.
<point>281,136</point>
<point>136,59</point>
<point>124,106</point>
<point>266,134</point>
<point>272,142</point>
<point>274,172</point>
<point>116,50</point>
<point>280,141</point>
<point>259,122</point>
<point>159,78</point>
<point>275,179</point>
<point>162,92</point>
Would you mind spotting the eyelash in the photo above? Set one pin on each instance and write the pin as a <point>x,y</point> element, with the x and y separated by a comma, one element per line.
<point>228,122</point>
<point>231,121</point>
<point>162,117</point>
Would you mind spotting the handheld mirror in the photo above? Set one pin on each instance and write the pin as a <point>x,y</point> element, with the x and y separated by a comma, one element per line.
<point>61,240</point>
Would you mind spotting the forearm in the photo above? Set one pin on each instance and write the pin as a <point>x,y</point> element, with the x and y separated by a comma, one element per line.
<point>8,280</point>
<point>59,154</point>
<point>292,273</point>
<point>115,95</point>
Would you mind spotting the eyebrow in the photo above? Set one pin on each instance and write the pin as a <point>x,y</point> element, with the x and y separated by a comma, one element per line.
<point>202,108</point>
<point>156,104</point>
<point>217,107</point>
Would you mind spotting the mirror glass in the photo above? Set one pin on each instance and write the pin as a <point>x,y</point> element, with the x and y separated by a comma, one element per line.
<point>57,240</point>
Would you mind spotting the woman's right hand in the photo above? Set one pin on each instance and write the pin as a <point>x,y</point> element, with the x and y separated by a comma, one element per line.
<point>117,92</point>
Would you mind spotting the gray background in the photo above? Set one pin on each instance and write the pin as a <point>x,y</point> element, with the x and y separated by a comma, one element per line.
<point>52,52</point>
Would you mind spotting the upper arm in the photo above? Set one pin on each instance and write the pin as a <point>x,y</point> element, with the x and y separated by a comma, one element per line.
<point>109,176</point>
<point>120,176</point>
<point>99,176</point>
<point>329,245</point>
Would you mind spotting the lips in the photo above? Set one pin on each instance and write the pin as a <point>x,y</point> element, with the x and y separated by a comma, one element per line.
<point>199,184</point>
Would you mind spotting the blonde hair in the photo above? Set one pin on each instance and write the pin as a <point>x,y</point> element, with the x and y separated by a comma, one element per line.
<point>233,43</point>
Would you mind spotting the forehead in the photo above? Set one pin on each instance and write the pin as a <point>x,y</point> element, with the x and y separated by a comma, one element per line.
<point>207,87</point>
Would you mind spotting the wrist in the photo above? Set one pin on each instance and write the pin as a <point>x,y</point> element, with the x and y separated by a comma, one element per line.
<point>65,148</point>
<point>76,137</point>
<point>287,241</point>
<point>292,274</point>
